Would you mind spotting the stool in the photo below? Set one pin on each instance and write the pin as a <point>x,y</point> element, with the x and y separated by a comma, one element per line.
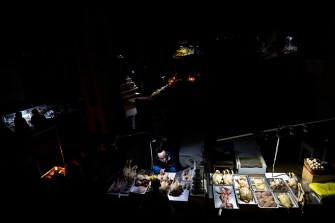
<point>307,147</point>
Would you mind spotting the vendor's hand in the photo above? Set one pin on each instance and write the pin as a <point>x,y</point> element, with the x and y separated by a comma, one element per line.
<point>162,172</point>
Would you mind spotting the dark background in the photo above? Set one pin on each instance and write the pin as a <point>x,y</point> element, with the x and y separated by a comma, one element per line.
<point>42,47</point>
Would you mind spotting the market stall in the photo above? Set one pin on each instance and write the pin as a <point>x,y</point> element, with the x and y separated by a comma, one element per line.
<point>177,186</point>
<point>259,191</point>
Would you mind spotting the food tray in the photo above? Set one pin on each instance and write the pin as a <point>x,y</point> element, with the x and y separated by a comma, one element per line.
<point>310,196</point>
<point>113,190</point>
<point>211,181</point>
<point>262,194</point>
<point>239,201</point>
<point>277,184</point>
<point>127,187</point>
<point>231,197</point>
<point>139,189</point>
<point>170,175</point>
<point>123,188</point>
<point>263,186</point>
<point>294,203</point>
<point>184,195</point>
<point>236,177</point>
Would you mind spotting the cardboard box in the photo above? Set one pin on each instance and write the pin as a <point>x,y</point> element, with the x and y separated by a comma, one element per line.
<point>308,177</point>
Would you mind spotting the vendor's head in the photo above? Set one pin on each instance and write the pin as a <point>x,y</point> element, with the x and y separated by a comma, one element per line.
<point>162,156</point>
<point>18,114</point>
<point>34,111</point>
<point>155,184</point>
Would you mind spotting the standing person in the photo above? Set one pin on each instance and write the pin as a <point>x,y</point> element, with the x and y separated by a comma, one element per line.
<point>38,120</point>
<point>22,128</point>
<point>155,203</point>
<point>164,161</point>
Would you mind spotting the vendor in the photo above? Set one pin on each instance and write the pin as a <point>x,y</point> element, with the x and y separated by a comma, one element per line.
<point>155,203</point>
<point>164,161</point>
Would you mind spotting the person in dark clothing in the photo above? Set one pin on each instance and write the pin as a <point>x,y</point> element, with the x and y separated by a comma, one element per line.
<point>156,203</point>
<point>38,120</point>
<point>164,161</point>
<point>22,128</point>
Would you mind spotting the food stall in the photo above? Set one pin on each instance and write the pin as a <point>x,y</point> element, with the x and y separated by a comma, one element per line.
<point>223,190</point>
<point>252,195</point>
<point>228,194</point>
<point>176,186</point>
<point>242,192</point>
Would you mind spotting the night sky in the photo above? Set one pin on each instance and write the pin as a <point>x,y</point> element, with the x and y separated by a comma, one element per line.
<point>41,45</point>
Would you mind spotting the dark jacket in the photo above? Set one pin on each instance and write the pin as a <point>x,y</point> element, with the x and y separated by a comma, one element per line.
<point>171,161</point>
<point>39,121</point>
<point>22,128</point>
<point>157,204</point>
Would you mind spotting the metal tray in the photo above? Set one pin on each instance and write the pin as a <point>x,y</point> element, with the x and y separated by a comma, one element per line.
<point>184,195</point>
<point>261,194</point>
<point>236,176</point>
<point>127,187</point>
<point>262,187</point>
<point>310,196</point>
<point>279,186</point>
<point>231,197</point>
<point>294,203</point>
<point>211,181</point>
<point>239,201</point>
<point>123,190</point>
<point>169,175</point>
<point>139,189</point>
<point>112,190</point>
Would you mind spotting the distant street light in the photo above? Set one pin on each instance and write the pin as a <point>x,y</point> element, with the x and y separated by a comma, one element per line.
<point>163,79</point>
